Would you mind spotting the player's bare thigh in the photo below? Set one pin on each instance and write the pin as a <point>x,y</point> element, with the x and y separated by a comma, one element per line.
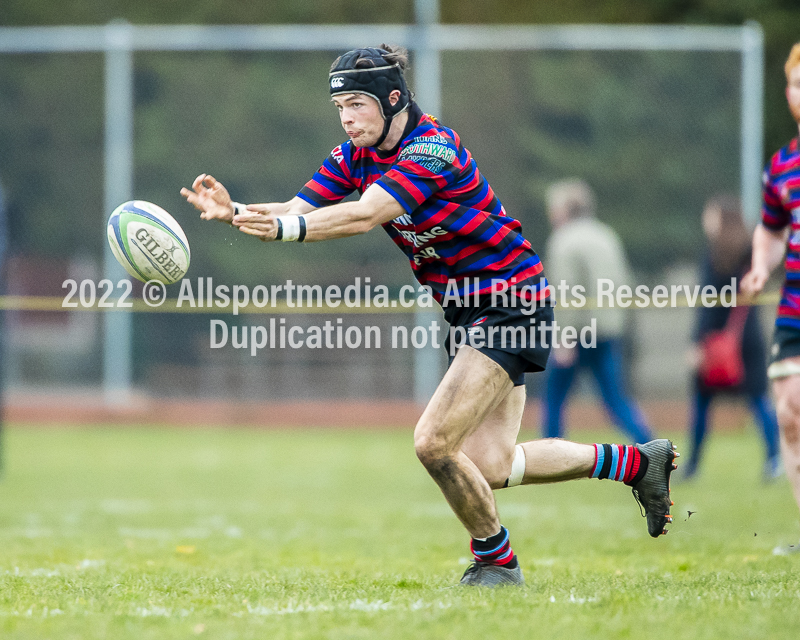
<point>491,445</point>
<point>787,401</point>
<point>473,387</point>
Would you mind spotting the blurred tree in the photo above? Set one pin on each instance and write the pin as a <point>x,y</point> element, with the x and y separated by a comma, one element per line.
<point>651,132</point>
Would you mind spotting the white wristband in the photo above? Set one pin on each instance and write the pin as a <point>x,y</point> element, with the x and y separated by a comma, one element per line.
<point>291,228</point>
<point>238,208</point>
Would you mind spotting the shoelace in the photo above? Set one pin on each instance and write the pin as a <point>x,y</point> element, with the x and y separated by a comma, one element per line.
<point>642,510</point>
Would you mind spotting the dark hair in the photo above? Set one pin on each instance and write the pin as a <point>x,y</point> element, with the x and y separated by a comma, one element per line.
<point>393,55</point>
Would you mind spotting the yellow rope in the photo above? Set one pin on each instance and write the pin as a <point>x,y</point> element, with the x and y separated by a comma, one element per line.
<point>55,303</point>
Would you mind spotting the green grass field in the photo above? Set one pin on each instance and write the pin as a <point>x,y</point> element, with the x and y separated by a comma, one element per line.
<point>177,533</point>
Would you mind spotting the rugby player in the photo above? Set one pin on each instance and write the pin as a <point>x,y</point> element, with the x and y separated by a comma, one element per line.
<point>418,181</point>
<point>780,230</point>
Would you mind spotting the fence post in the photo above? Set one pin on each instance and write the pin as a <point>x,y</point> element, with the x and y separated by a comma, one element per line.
<point>118,188</point>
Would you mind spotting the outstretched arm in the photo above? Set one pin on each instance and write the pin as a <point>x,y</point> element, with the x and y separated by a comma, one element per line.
<point>341,220</point>
<point>768,248</point>
<point>214,202</point>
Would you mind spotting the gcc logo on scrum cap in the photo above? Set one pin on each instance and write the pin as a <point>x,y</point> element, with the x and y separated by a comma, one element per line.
<point>337,82</point>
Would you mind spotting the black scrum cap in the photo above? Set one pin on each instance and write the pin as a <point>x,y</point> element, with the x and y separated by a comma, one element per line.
<point>376,81</point>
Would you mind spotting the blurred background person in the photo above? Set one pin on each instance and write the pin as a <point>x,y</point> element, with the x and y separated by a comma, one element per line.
<point>728,256</point>
<point>580,251</point>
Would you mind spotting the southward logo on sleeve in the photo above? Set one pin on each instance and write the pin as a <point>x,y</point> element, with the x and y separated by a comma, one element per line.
<point>434,153</point>
<point>425,148</point>
<point>337,82</point>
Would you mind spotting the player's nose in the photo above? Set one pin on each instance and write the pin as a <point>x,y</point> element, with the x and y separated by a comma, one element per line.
<point>346,117</point>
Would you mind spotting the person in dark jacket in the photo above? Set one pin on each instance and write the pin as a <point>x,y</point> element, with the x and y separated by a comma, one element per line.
<point>728,256</point>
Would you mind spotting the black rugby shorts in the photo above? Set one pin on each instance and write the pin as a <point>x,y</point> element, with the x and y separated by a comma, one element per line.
<point>517,356</point>
<point>785,344</point>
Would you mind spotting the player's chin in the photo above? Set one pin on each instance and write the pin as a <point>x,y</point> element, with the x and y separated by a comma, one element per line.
<point>364,141</point>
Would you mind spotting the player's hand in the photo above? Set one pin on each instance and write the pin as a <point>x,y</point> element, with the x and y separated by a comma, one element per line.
<point>211,198</point>
<point>753,283</point>
<point>259,220</point>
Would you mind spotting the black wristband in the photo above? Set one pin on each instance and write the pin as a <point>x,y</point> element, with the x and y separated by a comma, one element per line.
<point>280,231</point>
<point>302,234</point>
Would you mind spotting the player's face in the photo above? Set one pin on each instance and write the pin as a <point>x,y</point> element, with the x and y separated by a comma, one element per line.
<point>712,222</point>
<point>361,118</point>
<point>557,216</point>
<point>793,92</point>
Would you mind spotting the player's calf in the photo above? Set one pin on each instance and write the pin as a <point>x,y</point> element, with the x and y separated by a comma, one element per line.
<point>495,462</point>
<point>646,468</point>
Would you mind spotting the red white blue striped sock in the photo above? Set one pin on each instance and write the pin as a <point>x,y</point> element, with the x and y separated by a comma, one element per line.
<point>494,550</point>
<point>620,462</point>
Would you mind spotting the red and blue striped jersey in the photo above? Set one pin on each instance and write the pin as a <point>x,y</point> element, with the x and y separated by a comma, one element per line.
<point>455,232</point>
<point>782,208</point>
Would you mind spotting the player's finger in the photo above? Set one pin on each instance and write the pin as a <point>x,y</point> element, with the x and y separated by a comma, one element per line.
<point>189,194</point>
<point>267,227</point>
<point>250,231</point>
<point>198,182</point>
<point>214,214</point>
<point>209,181</point>
<point>191,198</point>
<point>255,226</point>
<point>245,218</point>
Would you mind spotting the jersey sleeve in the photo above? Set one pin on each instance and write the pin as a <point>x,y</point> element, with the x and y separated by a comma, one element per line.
<point>773,214</point>
<point>332,182</point>
<point>422,169</point>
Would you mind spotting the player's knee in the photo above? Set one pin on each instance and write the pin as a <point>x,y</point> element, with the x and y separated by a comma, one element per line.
<point>428,449</point>
<point>431,449</point>
<point>437,459</point>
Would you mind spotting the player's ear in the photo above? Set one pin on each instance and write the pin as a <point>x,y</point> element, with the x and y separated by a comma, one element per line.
<point>394,96</point>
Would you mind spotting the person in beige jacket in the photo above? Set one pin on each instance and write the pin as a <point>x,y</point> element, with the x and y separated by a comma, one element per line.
<point>580,252</point>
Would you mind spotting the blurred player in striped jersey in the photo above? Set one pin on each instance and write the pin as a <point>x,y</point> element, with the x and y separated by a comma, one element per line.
<point>419,182</point>
<point>780,230</point>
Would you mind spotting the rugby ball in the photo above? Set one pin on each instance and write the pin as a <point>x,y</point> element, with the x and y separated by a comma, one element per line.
<point>148,242</point>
